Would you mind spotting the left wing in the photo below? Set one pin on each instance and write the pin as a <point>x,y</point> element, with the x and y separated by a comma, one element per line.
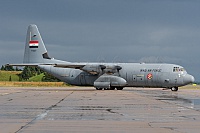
<point>93,69</point>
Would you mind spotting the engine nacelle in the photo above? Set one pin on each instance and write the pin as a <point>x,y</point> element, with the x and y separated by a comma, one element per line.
<point>105,81</point>
<point>93,69</point>
<point>101,69</point>
<point>112,69</point>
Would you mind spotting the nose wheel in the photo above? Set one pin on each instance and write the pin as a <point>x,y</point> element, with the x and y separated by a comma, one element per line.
<point>174,88</point>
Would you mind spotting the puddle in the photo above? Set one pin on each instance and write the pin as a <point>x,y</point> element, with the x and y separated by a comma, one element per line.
<point>195,104</point>
<point>173,98</point>
<point>196,101</point>
<point>41,116</point>
<point>188,103</point>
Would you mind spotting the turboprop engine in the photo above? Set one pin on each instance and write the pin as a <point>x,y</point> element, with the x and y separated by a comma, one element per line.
<point>101,69</point>
<point>112,69</point>
<point>93,69</point>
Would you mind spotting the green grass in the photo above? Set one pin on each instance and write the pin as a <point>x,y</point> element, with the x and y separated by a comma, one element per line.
<point>9,75</point>
<point>35,81</point>
<point>37,78</point>
<point>13,75</point>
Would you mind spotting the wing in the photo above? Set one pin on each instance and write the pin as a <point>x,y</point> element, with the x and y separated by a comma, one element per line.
<point>93,69</point>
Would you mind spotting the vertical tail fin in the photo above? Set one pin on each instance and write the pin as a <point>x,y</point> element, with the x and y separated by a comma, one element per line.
<point>35,51</point>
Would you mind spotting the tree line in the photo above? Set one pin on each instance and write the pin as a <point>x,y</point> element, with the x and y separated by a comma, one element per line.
<point>10,68</point>
<point>28,72</point>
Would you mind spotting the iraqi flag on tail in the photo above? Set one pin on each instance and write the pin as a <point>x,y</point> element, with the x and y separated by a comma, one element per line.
<point>33,44</point>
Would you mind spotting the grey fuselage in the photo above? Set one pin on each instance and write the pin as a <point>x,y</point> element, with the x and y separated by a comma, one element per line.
<point>135,74</point>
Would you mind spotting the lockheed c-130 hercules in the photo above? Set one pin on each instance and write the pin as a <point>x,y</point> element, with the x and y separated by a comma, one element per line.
<point>107,76</point>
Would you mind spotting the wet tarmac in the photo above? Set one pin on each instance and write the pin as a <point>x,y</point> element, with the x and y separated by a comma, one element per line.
<point>84,109</point>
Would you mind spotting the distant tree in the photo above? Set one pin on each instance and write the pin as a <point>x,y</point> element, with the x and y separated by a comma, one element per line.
<point>29,71</point>
<point>38,70</point>
<point>26,73</point>
<point>2,67</point>
<point>17,69</point>
<point>20,77</point>
<point>9,68</point>
<point>33,71</point>
<point>49,78</point>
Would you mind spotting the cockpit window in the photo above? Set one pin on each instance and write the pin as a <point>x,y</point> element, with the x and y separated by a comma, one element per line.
<point>177,69</point>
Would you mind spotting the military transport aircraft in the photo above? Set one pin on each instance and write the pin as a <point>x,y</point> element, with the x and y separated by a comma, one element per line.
<point>107,76</point>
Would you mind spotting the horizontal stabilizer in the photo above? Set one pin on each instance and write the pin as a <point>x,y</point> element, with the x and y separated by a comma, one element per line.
<point>29,64</point>
<point>70,65</point>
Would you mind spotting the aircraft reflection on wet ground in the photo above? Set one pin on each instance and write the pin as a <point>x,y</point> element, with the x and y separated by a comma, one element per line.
<point>180,99</point>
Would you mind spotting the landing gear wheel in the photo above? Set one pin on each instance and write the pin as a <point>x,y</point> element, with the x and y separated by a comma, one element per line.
<point>106,88</point>
<point>174,88</point>
<point>99,88</point>
<point>119,88</point>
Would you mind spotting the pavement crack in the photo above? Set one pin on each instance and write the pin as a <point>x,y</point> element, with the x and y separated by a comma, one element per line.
<point>110,111</point>
<point>51,107</point>
<point>43,114</point>
<point>149,124</point>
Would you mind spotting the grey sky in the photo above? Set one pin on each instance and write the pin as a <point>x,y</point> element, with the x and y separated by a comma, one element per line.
<point>165,31</point>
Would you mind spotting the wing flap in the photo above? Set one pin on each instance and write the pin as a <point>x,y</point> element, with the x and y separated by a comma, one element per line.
<point>72,65</point>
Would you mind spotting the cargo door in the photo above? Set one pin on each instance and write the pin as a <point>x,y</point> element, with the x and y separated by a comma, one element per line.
<point>140,80</point>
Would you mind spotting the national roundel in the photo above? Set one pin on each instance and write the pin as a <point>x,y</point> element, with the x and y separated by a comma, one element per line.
<point>149,76</point>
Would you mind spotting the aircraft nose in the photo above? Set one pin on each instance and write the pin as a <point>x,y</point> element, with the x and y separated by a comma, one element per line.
<point>188,79</point>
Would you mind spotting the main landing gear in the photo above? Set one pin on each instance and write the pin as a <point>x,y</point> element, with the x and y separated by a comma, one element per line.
<point>174,88</point>
<point>111,88</point>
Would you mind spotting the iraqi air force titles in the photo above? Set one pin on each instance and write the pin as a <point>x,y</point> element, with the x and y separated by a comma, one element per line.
<point>107,76</point>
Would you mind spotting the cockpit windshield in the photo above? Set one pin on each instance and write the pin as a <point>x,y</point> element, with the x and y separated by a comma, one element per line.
<point>178,69</point>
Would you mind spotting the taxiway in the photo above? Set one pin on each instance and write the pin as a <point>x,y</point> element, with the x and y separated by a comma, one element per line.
<point>84,109</point>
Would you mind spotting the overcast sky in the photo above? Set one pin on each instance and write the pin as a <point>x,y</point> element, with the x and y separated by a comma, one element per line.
<point>166,31</point>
